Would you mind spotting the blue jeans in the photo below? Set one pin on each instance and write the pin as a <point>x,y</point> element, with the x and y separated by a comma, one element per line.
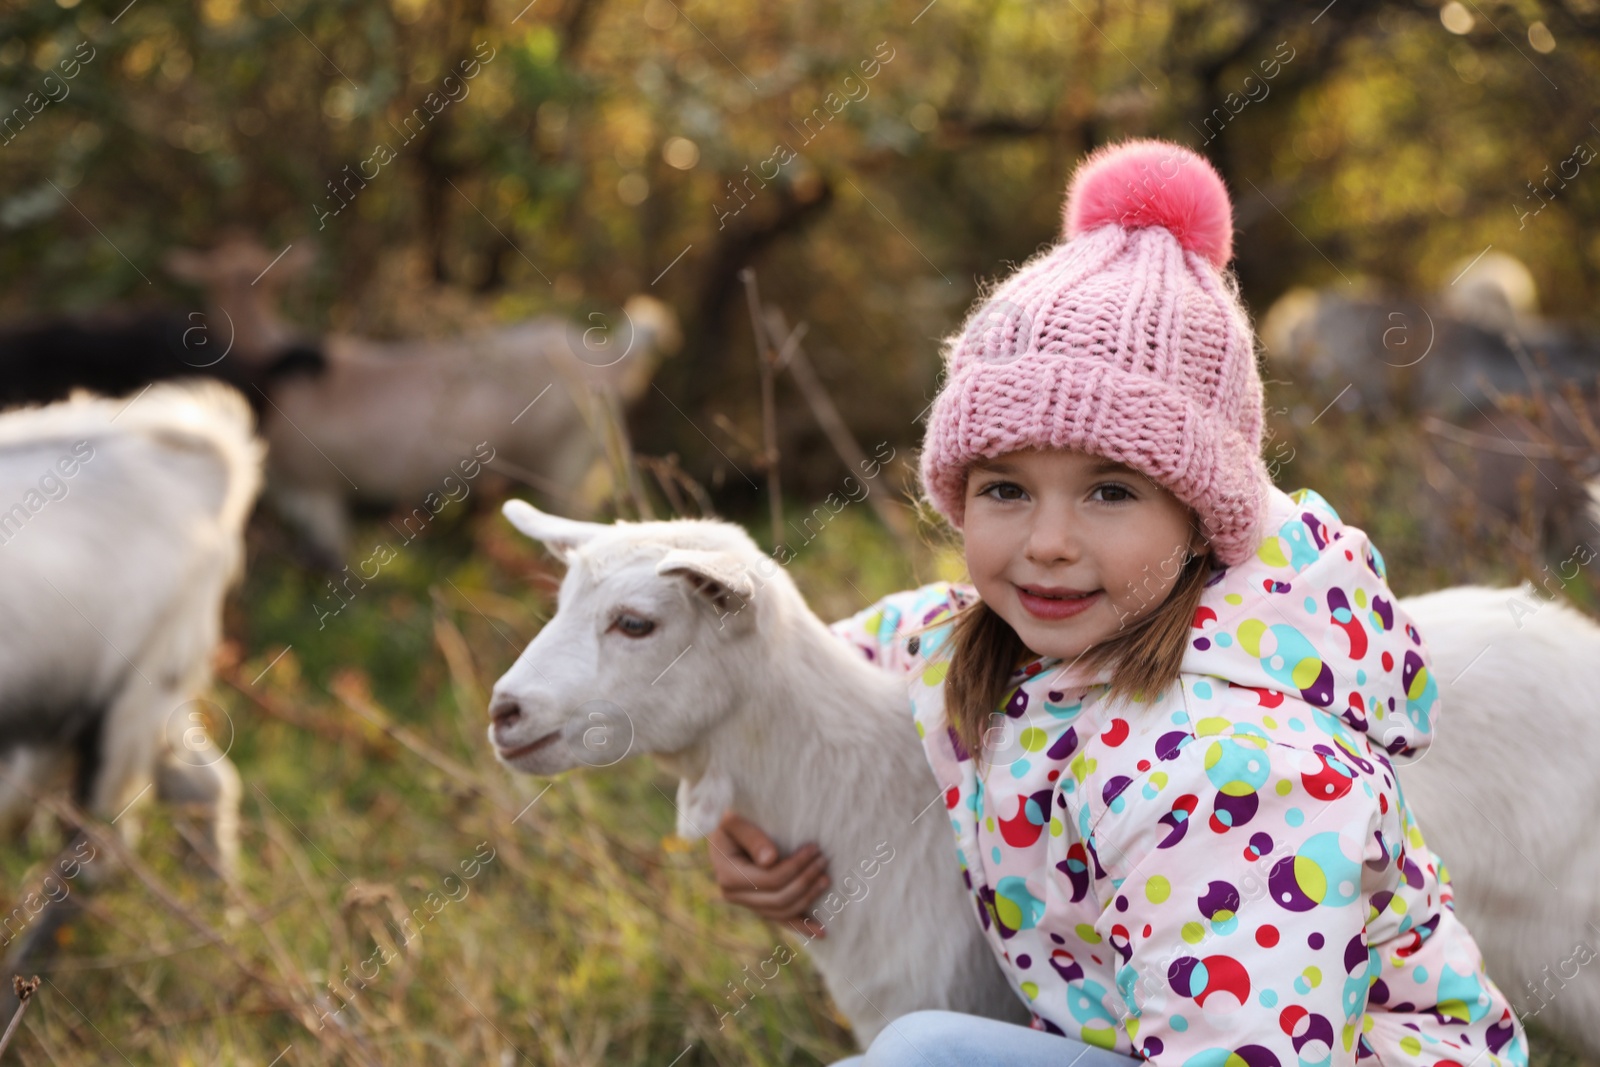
<point>953,1039</point>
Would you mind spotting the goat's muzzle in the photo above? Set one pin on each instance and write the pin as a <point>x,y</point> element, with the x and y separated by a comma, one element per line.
<point>532,746</point>
<point>505,712</point>
<point>505,716</point>
<point>506,721</point>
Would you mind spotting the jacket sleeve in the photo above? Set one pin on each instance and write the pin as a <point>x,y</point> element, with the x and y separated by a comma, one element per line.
<point>1236,906</point>
<point>1360,630</point>
<point>882,632</point>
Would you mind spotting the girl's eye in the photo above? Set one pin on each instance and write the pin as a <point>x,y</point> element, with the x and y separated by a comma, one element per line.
<point>633,625</point>
<point>1003,486</point>
<point>1118,493</point>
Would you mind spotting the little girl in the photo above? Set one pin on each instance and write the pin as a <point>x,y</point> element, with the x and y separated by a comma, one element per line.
<point>1163,711</point>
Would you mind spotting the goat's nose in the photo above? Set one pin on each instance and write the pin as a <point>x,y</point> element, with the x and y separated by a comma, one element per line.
<point>504,712</point>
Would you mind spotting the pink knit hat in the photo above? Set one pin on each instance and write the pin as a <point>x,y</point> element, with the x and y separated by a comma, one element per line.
<point>1127,340</point>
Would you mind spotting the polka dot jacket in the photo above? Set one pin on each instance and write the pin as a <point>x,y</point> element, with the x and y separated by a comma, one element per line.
<point>1227,874</point>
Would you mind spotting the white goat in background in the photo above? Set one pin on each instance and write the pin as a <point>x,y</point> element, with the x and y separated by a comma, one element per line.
<point>121,528</point>
<point>387,421</point>
<point>684,640</point>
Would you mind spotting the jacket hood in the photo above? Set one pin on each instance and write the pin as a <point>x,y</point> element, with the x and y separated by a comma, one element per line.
<point>1343,662</point>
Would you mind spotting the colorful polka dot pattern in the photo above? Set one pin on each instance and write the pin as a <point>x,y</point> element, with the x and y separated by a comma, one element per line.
<point>1225,874</point>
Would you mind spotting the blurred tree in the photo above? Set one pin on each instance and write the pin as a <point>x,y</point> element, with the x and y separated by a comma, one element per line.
<point>876,161</point>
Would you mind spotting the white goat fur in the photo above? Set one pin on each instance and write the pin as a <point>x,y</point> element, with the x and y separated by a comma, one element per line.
<point>1508,794</point>
<point>774,716</point>
<point>113,598</point>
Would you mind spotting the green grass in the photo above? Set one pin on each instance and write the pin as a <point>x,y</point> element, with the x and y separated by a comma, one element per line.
<point>591,937</point>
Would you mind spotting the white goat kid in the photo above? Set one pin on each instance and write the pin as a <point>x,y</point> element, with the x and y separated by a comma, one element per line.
<point>662,644</point>
<point>121,531</point>
<point>662,640</point>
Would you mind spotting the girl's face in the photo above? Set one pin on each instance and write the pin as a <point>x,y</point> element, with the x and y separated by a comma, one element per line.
<point>1071,549</point>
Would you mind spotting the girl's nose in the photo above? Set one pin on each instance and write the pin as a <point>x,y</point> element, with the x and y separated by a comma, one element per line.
<point>1053,538</point>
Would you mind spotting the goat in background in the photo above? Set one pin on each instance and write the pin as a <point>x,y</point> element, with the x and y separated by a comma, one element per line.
<point>385,421</point>
<point>121,529</point>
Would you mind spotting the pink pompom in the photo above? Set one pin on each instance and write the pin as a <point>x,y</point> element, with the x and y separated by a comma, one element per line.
<point>1153,183</point>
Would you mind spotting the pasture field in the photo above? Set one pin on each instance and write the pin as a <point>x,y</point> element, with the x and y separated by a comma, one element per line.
<point>492,919</point>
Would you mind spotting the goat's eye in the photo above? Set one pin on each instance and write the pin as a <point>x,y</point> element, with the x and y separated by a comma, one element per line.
<point>633,625</point>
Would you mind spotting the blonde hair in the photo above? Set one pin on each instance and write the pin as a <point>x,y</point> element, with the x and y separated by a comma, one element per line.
<point>984,651</point>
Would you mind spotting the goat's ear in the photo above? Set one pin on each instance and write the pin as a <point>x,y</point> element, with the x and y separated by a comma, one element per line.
<point>717,576</point>
<point>560,536</point>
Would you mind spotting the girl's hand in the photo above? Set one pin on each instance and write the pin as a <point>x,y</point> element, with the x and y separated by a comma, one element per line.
<point>748,871</point>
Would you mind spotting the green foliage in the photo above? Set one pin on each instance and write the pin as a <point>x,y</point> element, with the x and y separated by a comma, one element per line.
<point>1387,148</point>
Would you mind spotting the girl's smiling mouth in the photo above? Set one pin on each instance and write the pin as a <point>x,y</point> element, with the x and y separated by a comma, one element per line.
<point>1055,602</point>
